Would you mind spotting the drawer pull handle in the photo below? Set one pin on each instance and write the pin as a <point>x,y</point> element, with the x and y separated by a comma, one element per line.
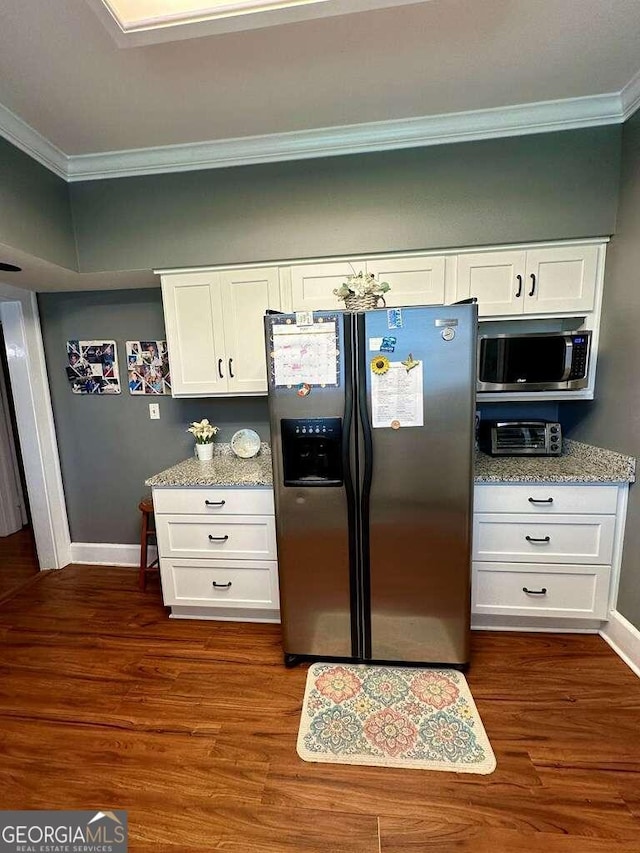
<point>222,503</point>
<point>544,539</point>
<point>542,591</point>
<point>222,585</point>
<point>218,538</point>
<point>540,500</point>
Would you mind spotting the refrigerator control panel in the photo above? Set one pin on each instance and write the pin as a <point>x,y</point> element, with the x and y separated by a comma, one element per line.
<point>312,451</point>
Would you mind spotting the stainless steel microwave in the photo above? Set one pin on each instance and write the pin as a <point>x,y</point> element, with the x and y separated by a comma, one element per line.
<point>539,361</point>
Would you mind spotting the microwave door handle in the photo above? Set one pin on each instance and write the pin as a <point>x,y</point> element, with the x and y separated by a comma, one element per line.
<point>568,359</point>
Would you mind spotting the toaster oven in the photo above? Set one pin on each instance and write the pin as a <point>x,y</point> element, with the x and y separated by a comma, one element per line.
<point>520,438</point>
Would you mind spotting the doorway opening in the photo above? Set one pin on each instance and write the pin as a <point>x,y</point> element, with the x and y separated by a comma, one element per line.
<point>18,557</point>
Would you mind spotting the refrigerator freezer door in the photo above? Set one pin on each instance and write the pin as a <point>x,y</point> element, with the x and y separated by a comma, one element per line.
<point>312,516</point>
<point>421,484</point>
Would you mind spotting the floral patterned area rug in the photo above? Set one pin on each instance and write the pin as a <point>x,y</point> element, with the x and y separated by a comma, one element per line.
<point>392,716</point>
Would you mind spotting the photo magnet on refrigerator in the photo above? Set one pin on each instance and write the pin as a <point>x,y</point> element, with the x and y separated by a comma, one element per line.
<point>388,344</point>
<point>394,318</point>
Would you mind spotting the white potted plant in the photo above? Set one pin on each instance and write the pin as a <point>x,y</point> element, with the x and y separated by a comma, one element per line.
<point>362,291</point>
<point>204,433</point>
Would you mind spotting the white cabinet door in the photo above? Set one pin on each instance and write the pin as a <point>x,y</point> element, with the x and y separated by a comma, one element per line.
<point>496,279</point>
<point>195,334</point>
<point>246,295</point>
<point>414,281</point>
<point>312,285</point>
<point>215,331</point>
<point>561,278</point>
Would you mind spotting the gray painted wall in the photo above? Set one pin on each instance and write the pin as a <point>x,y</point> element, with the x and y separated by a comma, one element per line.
<point>35,209</point>
<point>108,445</point>
<point>613,419</point>
<point>546,186</point>
<point>550,186</point>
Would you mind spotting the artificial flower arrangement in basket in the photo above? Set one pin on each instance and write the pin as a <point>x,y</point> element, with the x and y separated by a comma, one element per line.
<point>204,433</point>
<point>362,291</point>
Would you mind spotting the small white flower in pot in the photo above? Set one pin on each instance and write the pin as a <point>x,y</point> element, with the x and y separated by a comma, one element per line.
<point>204,433</point>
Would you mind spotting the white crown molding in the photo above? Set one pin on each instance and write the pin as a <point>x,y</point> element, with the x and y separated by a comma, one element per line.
<point>24,137</point>
<point>630,97</point>
<point>542,117</point>
<point>520,120</point>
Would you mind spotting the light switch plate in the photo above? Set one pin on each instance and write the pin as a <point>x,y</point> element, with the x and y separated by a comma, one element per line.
<point>154,411</point>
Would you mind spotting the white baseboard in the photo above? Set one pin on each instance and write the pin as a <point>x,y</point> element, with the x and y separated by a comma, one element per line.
<point>108,554</point>
<point>624,639</point>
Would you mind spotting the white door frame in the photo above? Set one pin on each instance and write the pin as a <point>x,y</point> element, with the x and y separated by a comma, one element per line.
<point>36,429</point>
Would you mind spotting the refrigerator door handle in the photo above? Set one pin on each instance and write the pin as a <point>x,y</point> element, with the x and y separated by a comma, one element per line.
<point>349,486</point>
<point>367,477</point>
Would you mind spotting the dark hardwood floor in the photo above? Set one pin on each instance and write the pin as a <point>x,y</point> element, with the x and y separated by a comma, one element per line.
<point>191,726</point>
<point>18,561</point>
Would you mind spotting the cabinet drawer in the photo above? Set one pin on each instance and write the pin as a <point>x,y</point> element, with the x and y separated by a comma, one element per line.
<point>578,592</point>
<point>209,583</point>
<point>232,537</point>
<point>553,539</point>
<point>213,502</point>
<point>545,498</point>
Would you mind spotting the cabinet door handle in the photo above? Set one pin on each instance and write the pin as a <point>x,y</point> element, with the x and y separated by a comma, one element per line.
<point>519,290</point>
<point>542,591</point>
<point>220,368</point>
<point>540,500</point>
<point>221,585</point>
<point>533,284</point>
<point>222,503</point>
<point>231,374</point>
<point>544,539</point>
<point>217,538</point>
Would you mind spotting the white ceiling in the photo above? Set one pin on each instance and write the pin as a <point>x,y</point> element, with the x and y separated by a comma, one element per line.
<point>62,73</point>
<point>412,74</point>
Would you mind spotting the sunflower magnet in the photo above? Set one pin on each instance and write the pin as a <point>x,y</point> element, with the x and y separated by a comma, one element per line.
<point>380,365</point>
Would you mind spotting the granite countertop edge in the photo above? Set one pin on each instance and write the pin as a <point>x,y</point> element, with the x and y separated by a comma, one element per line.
<point>579,463</point>
<point>225,469</point>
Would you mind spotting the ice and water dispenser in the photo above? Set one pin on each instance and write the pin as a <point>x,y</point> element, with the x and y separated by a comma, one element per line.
<point>312,451</point>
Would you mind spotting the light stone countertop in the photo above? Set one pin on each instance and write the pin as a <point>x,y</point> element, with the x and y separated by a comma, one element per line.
<point>225,469</point>
<point>579,463</point>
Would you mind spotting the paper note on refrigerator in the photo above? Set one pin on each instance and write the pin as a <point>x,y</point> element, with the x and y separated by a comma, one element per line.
<point>397,397</point>
<point>305,354</point>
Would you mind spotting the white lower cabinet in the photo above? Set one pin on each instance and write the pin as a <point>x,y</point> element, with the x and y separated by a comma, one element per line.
<point>217,552</point>
<point>545,550</point>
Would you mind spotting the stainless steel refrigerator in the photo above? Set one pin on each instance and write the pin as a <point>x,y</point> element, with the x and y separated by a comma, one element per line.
<point>372,425</point>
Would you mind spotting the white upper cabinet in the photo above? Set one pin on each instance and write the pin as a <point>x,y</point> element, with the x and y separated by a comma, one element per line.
<point>312,285</point>
<point>214,317</point>
<point>215,332</point>
<point>413,281</point>
<point>246,296</point>
<point>560,279</point>
<point>496,279</point>
<point>195,334</point>
<point>548,280</point>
